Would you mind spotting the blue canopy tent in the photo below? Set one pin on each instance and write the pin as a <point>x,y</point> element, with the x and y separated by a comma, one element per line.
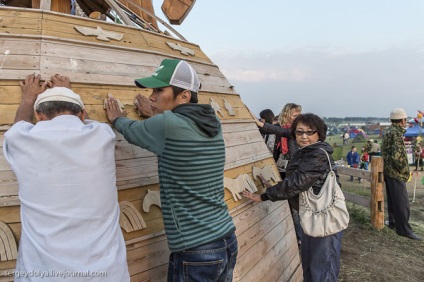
<point>414,131</point>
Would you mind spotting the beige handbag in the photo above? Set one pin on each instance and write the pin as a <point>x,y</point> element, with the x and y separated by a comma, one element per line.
<point>326,213</point>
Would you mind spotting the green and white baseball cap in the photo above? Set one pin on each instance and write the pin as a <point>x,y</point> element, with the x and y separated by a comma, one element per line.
<point>172,72</point>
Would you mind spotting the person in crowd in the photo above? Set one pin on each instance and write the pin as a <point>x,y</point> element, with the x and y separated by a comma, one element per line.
<point>284,150</point>
<point>353,160</point>
<point>308,168</point>
<point>364,159</point>
<point>65,166</point>
<point>396,174</point>
<point>419,153</point>
<point>268,116</point>
<point>187,138</point>
<point>373,148</point>
<point>345,138</point>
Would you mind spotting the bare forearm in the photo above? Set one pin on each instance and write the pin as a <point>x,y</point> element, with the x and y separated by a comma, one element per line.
<point>25,111</point>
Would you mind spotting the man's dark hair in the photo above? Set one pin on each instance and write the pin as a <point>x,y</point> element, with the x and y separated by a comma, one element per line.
<point>313,121</point>
<point>53,108</point>
<point>179,90</point>
<point>396,120</point>
<point>267,115</point>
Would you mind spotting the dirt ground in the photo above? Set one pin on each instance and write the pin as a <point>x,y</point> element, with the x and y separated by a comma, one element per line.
<point>370,255</point>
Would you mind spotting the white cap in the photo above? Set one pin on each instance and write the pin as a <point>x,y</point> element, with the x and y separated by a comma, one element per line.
<point>58,94</point>
<point>398,113</point>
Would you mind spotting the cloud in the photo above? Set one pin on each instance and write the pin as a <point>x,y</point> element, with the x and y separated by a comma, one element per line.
<point>328,82</point>
<point>264,74</point>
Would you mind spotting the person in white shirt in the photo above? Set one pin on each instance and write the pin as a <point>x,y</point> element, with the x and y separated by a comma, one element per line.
<point>65,167</point>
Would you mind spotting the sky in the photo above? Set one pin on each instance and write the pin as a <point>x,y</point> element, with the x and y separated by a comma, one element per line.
<point>335,58</point>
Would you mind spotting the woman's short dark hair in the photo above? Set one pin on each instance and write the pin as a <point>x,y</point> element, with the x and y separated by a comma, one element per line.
<point>179,90</point>
<point>267,115</point>
<point>313,121</point>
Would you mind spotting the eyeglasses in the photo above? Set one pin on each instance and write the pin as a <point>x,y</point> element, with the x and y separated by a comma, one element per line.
<point>308,133</point>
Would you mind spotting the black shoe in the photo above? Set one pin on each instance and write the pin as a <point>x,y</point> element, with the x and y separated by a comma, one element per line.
<point>413,236</point>
<point>387,223</point>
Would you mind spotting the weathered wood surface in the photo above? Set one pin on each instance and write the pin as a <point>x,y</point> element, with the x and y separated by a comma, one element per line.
<point>137,167</point>
<point>355,172</point>
<point>177,10</point>
<point>47,43</point>
<point>377,193</point>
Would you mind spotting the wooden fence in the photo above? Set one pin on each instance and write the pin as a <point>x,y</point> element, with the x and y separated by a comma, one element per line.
<point>376,178</point>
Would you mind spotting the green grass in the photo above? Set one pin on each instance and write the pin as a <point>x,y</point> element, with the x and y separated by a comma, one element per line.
<point>358,213</point>
<point>340,151</point>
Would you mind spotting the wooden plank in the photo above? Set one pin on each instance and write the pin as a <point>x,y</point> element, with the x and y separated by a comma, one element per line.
<point>21,62</point>
<point>266,246</point>
<point>377,193</point>
<point>152,256</point>
<point>157,274</point>
<point>357,199</point>
<point>17,46</point>
<point>177,10</point>
<point>145,61</point>
<point>45,4</point>
<point>355,172</point>
<point>259,227</point>
<point>58,26</point>
<point>10,214</point>
<point>278,265</point>
<point>19,22</point>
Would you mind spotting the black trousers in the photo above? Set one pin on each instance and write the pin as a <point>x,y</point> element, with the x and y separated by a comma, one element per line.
<point>398,205</point>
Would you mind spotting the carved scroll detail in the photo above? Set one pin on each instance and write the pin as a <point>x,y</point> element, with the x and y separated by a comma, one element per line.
<point>130,219</point>
<point>8,248</point>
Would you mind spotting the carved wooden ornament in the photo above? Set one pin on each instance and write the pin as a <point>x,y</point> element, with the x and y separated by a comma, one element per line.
<point>152,198</point>
<point>239,184</point>
<point>229,108</point>
<point>184,50</point>
<point>100,33</point>
<point>216,107</point>
<point>267,172</point>
<point>8,248</point>
<point>130,219</point>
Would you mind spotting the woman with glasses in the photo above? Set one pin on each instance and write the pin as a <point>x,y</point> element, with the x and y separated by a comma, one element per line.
<point>309,168</point>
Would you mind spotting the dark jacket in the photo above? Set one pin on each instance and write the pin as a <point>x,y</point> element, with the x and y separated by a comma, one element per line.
<point>279,132</point>
<point>308,168</point>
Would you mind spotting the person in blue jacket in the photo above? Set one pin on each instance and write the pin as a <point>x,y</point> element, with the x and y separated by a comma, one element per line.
<point>353,160</point>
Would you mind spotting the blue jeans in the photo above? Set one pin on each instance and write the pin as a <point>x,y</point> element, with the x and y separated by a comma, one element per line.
<point>321,257</point>
<point>210,262</point>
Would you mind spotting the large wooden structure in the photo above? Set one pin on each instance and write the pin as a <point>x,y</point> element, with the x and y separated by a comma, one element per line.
<point>103,58</point>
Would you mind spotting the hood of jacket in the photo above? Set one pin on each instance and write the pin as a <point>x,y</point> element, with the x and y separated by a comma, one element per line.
<point>203,115</point>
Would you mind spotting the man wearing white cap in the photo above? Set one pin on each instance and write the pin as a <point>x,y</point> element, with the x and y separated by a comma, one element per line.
<point>65,167</point>
<point>396,174</point>
<point>187,138</point>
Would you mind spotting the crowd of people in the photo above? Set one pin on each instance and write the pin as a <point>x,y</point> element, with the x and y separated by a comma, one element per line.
<point>65,167</point>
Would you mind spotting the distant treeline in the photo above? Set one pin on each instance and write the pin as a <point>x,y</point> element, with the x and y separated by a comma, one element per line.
<point>371,120</point>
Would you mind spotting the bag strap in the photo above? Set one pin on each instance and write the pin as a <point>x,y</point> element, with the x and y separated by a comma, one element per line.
<point>328,157</point>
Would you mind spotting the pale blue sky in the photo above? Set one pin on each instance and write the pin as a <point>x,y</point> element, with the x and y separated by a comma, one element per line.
<point>336,58</point>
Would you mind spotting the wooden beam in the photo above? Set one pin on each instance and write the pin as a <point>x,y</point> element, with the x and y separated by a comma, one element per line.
<point>45,5</point>
<point>120,13</point>
<point>377,195</point>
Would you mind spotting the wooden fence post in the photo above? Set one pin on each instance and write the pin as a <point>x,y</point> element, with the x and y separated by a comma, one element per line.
<point>377,194</point>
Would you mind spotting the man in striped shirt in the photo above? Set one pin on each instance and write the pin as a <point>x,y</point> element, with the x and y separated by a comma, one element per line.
<point>187,139</point>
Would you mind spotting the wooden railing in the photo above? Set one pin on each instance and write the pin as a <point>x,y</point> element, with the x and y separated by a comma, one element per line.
<point>376,178</point>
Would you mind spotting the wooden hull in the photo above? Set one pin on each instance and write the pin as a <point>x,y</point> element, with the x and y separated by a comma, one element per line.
<point>46,43</point>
